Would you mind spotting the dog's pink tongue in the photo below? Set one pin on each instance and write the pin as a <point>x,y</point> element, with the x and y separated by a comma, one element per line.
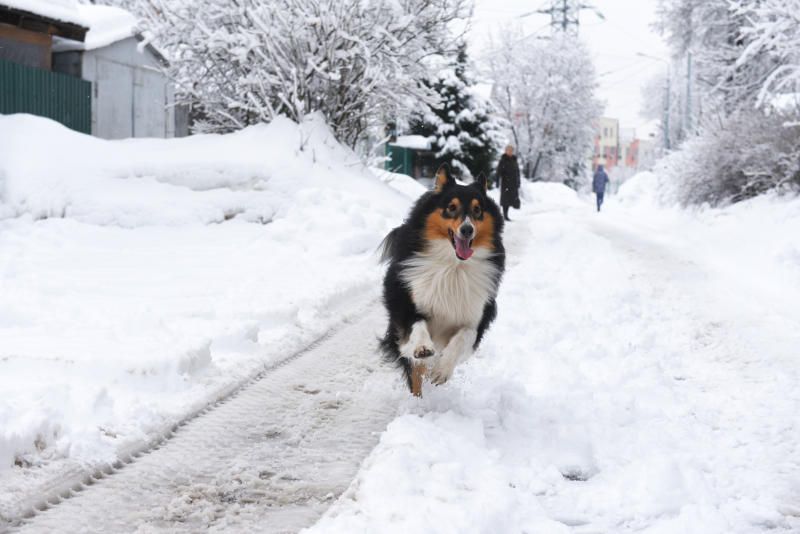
<point>462,248</point>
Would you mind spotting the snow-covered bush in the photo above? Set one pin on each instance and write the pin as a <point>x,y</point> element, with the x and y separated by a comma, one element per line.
<point>772,32</point>
<point>545,90</point>
<point>460,126</point>
<point>746,60</point>
<point>240,62</point>
<point>748,154</point>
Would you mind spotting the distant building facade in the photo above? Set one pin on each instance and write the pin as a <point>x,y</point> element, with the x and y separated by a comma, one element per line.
<point>606,143</point>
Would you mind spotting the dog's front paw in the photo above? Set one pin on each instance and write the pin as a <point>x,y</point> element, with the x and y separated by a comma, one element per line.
<point>423,351</point>
<point>442,371</point>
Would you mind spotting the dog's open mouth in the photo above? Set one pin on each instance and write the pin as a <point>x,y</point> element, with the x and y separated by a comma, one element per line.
<point>463,246</point>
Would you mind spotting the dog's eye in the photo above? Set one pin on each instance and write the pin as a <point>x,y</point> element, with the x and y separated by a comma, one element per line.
<point>476,211</point>
<point>452,209</point>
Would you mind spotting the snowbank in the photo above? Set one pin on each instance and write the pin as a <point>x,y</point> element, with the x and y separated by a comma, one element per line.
<point>754,236</point>
<point>403,183</point>
<point>639,190</point>
<point>139,277</point>
<point>549,193</point>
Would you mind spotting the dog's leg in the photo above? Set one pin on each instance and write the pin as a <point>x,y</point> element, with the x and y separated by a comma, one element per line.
<point>418,370</point>
<point>419,344</point>
<point>458,349</point>
<point>416,349</point>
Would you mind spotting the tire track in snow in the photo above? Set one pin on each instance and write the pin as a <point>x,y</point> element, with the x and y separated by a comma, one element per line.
<point>269,458</point>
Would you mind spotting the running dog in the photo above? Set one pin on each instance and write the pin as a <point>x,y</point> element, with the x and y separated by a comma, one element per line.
<point>445,265</point>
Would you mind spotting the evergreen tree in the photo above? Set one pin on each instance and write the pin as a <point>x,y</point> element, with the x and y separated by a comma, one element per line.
<point>460,125</point>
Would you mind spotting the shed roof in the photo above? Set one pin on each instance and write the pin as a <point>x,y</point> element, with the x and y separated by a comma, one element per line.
<point>54,17</point>
<point>106,24</point>
<point>416,142</point>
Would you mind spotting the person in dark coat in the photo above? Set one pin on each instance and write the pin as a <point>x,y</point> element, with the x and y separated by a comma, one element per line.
<point>599,183</point>
<point>508,180</point>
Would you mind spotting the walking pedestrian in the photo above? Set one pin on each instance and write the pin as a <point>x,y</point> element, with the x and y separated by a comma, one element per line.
<point>599,183</point>
<point>508,178</point>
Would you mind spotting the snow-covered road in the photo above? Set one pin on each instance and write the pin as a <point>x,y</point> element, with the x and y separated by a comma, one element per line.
<point>269,459</point>
<point>641,377</point>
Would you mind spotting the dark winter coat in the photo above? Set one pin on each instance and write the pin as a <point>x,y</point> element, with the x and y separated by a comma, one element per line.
<point>600,180</point>
<point>508,178</point>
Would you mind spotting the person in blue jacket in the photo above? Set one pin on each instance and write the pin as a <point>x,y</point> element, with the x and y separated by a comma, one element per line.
<point>599,184</point>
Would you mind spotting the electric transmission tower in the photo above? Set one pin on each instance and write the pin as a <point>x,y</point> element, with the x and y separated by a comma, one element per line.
<point>565,14</point>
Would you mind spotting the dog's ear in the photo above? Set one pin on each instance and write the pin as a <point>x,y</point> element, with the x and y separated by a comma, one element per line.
<point>481,183</point>
<point>443,178</point>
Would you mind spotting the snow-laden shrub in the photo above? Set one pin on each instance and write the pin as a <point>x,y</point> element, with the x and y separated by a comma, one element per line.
<point>748,154</point>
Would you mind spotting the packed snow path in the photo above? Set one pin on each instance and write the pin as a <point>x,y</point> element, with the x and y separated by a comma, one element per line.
<point>269,459</point>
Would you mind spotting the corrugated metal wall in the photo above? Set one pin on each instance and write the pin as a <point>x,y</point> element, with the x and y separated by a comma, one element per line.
<point>63,98</point>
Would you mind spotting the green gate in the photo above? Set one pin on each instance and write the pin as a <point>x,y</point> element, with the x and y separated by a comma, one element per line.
<point>401,159</point>
<point>63,98</point>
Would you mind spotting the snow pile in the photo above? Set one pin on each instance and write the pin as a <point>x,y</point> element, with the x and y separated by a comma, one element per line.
<point>400,182</point>
<point>551,193</point>
<point>252,175</point>
<point>751,236</point>
<point>140,277</point>
<point>628,385</point>
<point>639,190</point>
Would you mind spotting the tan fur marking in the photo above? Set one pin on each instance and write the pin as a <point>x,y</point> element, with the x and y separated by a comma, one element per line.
<point>441,180</point>
<point>417,373</point>
<point>437,226</point>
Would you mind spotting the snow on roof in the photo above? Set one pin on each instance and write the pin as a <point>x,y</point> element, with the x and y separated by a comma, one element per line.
<point>63,10</point>
<point>106,24</point>
<point>418,142</point>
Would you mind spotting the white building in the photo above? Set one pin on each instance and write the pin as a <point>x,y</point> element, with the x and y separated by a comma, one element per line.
<point>131,96</point>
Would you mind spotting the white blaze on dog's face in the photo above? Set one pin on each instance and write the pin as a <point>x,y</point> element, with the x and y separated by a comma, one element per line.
<point>461,217</point>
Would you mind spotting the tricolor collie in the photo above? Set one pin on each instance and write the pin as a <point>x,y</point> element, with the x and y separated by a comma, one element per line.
<point>445,265</point>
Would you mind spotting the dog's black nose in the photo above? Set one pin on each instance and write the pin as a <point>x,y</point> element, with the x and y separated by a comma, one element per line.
<point>467,230</point>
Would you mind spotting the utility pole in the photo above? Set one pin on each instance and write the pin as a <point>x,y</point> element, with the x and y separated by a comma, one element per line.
<point>667,98</point>
<point>667,110</point>
<point>565,15</point>
<point>688,93</point>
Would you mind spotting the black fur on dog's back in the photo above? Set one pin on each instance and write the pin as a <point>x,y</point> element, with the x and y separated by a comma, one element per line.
<point>408,239</point>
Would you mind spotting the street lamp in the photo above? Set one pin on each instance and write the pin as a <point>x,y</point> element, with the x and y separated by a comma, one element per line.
<point>667,109</point>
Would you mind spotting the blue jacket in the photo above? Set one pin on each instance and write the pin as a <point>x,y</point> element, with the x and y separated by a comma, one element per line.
<point>600,180</point>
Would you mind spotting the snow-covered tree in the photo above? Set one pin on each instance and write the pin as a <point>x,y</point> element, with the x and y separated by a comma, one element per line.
<point>772,33</point>
<point>460,124</point>
<point>238,62</point>
<point>545,91</point>
<point>745,56</point>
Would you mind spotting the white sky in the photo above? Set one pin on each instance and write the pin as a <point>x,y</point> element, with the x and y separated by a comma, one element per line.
<point>614,44</point>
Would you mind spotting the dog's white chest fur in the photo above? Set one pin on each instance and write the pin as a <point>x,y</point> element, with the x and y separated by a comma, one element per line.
<point>451,292</point>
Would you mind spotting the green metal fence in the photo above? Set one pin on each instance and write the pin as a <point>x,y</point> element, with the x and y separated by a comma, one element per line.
<point>401,159</point>
<point>63,98</point>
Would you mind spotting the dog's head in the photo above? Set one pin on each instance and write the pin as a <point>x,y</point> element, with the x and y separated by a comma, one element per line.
<point>463,214</point>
